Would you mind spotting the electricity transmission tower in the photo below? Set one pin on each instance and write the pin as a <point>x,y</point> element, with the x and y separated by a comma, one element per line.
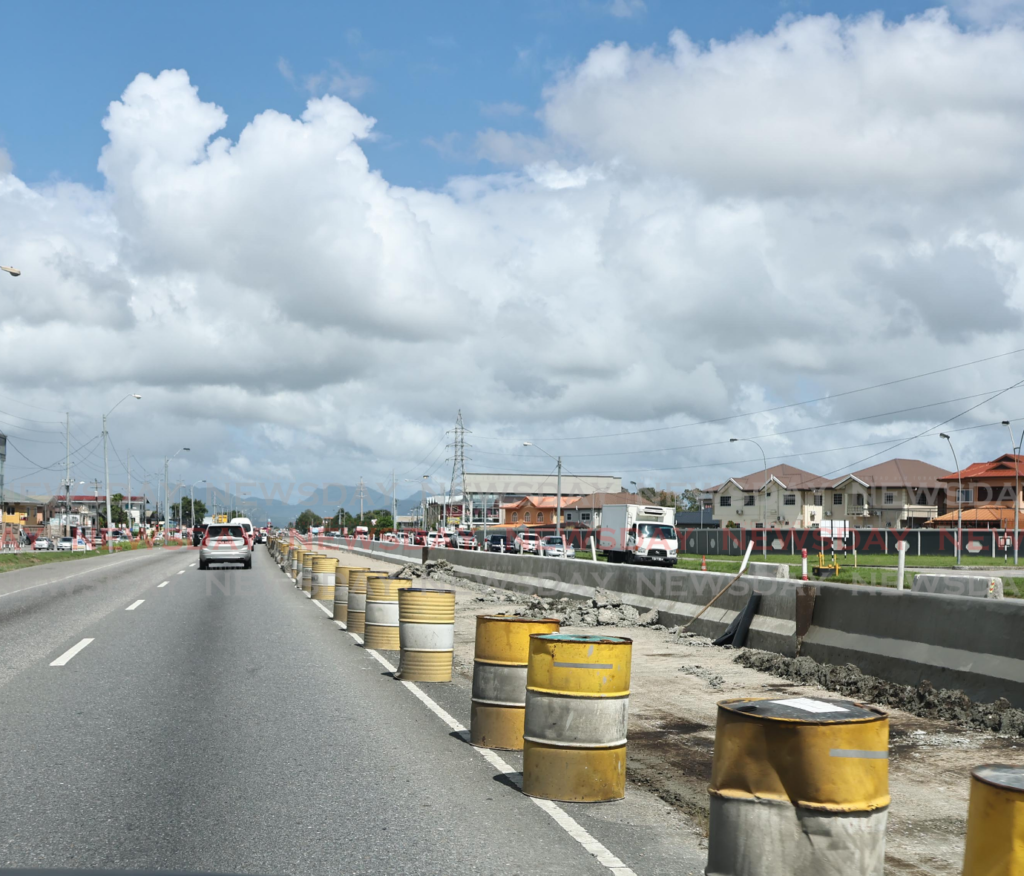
<point>458,460</point>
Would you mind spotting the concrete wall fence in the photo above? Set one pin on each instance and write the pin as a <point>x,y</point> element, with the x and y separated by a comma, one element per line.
<point>958,642</point>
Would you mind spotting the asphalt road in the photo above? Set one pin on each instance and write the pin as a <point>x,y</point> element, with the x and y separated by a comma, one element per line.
<point>222,723</point>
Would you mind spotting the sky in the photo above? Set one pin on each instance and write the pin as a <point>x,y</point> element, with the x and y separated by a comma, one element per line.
<point>309,234</point>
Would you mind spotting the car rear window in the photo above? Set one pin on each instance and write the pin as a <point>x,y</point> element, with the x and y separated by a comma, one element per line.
<point>224,531</point>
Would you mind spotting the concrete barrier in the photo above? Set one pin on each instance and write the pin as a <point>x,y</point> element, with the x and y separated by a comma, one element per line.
<point>769,570</point>
<point>896,635</point>
<point>977,586</point>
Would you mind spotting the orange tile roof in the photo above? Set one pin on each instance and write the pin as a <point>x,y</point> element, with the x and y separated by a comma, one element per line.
<point>1006,466</point>
<point>983,514</point>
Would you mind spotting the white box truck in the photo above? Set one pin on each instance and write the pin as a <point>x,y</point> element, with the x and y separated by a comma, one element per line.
<point>639,534</point>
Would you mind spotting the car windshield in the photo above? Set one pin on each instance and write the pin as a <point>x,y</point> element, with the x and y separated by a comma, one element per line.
<point>656,530</point>
<point>553,539</point>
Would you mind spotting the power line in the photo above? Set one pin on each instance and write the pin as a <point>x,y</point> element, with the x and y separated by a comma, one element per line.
<point>763,410</point>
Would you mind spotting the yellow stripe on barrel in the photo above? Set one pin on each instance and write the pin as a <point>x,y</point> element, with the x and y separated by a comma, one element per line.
<point>357,579</point>
<point>995,822</point>
<point>381,625</point>
<point>501,654</point>
<point>341,592</point>
<point>577,712</point>
<point>427,634</point>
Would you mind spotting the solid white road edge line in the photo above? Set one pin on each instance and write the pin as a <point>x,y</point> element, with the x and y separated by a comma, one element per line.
<point>71,652</point>
<point>562,818</point>
<point>135,605</point>
<point>163,584</point>
<point>69,577</point>
<point>323,608</point>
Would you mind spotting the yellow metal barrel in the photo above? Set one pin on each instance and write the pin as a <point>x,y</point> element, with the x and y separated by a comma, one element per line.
<point>426,628</point>
<point>799,786</point>
<point>500,656</point>
<point>357,579</point>
<point>341,592</point>
<point>577,711</point>
<point>995,822</point>
<point>307,571</point>
<point>381,626</point>
<point>323,577</point>
<point>297,556</point>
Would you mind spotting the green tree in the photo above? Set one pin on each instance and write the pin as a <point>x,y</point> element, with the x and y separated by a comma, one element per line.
<point>664,498</point>
<point>119,515</point>
<point>307,519</point>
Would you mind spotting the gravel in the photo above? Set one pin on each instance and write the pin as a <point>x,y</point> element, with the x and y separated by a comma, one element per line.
<point>924,700</point>
<point>603,609</point>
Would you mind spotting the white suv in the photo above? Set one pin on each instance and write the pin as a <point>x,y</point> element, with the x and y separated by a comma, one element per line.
<point>527,543</point>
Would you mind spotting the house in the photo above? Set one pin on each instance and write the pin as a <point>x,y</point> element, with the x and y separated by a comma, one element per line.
<point>585,512</point>
<point>989,491</point>
<point>782,497</point>
<point>534,510</point>
<point>898,493</point>
<point>21,510</point>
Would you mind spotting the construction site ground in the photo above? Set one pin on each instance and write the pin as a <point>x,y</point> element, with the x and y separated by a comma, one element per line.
<point>675,686</point>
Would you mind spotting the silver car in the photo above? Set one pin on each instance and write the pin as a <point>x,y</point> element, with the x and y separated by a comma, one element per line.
<point>553,546</point>
<point>225,543</point>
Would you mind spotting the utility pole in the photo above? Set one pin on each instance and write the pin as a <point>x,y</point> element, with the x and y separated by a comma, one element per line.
<point>394,502</point>
<point>362,495</point>
<point>558,507</point>
<point>131,529</point>
<point>458,480</point>
<point>67,473</point>
<point>423,502</point>
<point>959,500</point>
<point>106,481</point>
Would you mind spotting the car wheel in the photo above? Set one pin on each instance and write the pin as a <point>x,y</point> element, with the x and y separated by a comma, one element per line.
<point>202,566</point>
<point>248,565</point>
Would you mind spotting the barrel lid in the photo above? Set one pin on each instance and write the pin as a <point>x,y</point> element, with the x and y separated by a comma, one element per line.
<point>804,710</point>
<point>582,640</point>
<point>1001,775</point>
<point>518,619</point>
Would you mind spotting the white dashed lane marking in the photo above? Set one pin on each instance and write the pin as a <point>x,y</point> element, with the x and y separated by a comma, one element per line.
<point>163,584</point>
<point>182,572</point>
<point>71,652</point>
<point>135,605</point>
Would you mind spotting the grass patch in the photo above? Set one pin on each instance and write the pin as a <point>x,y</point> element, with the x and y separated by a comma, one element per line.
<point>26,559</point>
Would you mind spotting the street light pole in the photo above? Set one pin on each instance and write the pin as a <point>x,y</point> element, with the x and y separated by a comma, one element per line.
<point>1016,494</point>
<point>558,507</point>
<point>764,499</point>
<point>192,503</point>
<point>167,508</point>
<point>106,472</point>
<point>959,501</point>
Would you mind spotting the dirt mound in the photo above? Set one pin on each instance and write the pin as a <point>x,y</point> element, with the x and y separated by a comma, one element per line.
<point>924,700</point>
<point>604,609</point>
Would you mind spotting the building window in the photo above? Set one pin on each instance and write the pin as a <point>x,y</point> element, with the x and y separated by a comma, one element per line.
<point>965,495</point>
<point>568,515</point>
<point>858,500</point>
<point>837,498</point>
<point>724,501</point>
<point>585,516</point>
<point>540,516</point>
<point>515,516</point>
<point>749,501</point>
<point>527,516</point>
<point>889,498</point>
<point>819,500</point>
<point>707,504</point>
<point>789,499</point>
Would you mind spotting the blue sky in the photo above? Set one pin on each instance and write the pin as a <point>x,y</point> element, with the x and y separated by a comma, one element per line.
<point>432,74</point>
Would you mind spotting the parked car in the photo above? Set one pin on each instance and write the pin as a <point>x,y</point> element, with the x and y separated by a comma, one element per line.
<point>417,536</point>
<point>527,543</point>
<point>553,546</point>
<point>466,541</point>
<point>499,544</point>
<point>225,543</point>
<point>42,543</point>
<point>65,543</point>
<point>436,540</point>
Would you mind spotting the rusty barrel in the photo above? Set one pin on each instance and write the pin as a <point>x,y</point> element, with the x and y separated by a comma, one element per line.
<point>500,656</point>
<point>800,786</point>
<point>426,627</point>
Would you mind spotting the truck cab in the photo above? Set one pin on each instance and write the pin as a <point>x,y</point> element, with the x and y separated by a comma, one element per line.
<point>639,534</point>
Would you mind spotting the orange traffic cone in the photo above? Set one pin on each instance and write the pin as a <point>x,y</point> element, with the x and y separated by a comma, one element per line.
<point>704,563</point>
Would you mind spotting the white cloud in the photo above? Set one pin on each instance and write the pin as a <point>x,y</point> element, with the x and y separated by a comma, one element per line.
<point>626,8</point>
<point>6,165</point>
<point>989,13</point>
<point>694,233</point>
<point>502,108</point>
<point>285,69</point>
<point>337,80</point>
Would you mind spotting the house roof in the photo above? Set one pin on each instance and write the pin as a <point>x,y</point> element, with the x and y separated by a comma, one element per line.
<point>1006,466</point>
<point>542,502</point>
<point>599,500</point>
<point>787,476</point>
<point>912,474</point>
<point>982,514</point>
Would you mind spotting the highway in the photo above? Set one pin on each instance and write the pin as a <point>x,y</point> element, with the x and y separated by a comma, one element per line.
<point>220,722</point>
